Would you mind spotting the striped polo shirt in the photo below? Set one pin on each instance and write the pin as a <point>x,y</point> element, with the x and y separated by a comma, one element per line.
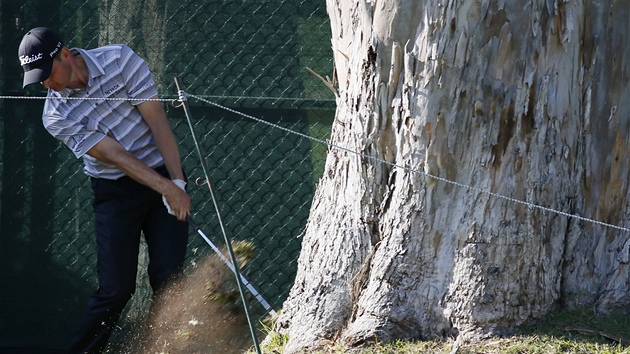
<point>115,72</point>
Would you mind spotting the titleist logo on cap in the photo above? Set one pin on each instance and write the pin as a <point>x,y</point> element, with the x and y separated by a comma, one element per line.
<point>26,59</point>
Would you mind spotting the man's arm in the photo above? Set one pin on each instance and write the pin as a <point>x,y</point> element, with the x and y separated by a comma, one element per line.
<point>110,151</point>
<point>153,114</point>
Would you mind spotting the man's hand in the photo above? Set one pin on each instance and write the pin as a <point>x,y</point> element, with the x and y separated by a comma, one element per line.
<point>110,151</point>
<point>184,210</point>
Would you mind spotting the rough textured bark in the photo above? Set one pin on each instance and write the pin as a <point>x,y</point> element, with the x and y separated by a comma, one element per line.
<point>528,100</point>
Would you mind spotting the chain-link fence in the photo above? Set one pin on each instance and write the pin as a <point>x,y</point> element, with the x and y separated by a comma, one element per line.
<point>251,56</point>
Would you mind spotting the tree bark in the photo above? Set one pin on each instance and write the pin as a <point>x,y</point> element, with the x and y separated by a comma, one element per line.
<point>513,105</point>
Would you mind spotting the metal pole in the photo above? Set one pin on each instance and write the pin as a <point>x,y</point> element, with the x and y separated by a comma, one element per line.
<point>228,243</point>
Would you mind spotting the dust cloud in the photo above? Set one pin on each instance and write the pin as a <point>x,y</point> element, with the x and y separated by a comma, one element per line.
<point>201,313</point>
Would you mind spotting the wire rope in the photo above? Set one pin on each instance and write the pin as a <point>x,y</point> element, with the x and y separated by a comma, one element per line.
<point>415,170</point>
<point>369,157</point>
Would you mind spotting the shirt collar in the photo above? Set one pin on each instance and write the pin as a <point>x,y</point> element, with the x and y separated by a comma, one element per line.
<point>94,70</point>
<point>94,67</point>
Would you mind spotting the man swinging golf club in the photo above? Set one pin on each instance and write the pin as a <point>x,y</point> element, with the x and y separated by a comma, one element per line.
<point>129,153</point>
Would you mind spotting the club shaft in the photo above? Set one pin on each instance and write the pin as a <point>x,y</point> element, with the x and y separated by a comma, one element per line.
<point>247,284</point>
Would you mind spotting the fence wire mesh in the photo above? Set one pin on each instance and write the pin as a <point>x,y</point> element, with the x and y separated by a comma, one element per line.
<point>247,55</point>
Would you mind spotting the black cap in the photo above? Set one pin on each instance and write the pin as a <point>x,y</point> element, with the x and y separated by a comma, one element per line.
<point>37,50</point>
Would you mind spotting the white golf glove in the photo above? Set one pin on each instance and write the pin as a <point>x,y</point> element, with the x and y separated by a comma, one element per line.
<point>181,184</point>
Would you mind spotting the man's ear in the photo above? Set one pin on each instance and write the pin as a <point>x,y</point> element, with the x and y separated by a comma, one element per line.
<point>65,53</point>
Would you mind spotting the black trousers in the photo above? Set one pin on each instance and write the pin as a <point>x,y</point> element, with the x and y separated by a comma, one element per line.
<point>123,210</point>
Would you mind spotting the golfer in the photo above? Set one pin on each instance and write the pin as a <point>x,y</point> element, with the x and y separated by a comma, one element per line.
<point>99,104</point>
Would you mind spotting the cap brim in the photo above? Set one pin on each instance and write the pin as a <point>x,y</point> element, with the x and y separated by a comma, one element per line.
<point>38,74</point>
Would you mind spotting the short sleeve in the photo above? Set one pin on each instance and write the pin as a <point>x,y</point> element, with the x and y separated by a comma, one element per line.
<point>136,75</point>
<point>72,132</point>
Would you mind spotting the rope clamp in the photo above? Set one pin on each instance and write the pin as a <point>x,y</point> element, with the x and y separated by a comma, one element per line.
<point>181,100</point>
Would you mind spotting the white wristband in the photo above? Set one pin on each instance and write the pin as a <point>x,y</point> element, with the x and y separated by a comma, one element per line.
<point>180,183</point>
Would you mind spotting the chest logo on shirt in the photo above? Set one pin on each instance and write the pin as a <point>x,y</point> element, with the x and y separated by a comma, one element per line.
<point>114,90</point>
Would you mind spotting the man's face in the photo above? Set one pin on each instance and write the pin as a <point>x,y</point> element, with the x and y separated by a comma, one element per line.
<point>60,74</point>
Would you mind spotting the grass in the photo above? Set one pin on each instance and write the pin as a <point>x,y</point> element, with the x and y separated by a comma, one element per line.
<point>578,331</point>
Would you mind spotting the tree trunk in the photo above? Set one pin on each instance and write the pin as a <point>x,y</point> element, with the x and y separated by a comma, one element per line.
<point>513,102</point>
